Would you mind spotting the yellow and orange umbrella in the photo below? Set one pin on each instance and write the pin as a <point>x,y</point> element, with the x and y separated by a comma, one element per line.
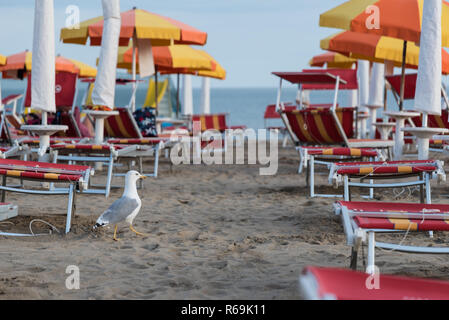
<point>400,19</point>
<point>2,60</point>
<point>139,23</point>
<point>332,60</point>
<point>377,48</point>
<point>19,64</point>
<point>174,56</point>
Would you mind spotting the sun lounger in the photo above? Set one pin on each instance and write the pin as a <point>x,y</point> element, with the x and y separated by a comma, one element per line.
<point>423,170</point>
<point>318,283</point>
<point>361,220</point>
<point>109,153</point>
<point>324,125</point>
<point>77,178</point>
<point>310,156</point>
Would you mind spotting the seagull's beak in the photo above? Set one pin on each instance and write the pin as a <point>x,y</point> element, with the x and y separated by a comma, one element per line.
<point>142,176</point>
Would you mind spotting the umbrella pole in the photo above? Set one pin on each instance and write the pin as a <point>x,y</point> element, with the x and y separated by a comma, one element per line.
<point>404,56</point>
<point>177,95</point>
<point>133,98</point>
<point>156,89</point>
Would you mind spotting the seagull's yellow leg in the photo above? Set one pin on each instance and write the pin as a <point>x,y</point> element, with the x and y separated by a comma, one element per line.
<point>115,234</point>
<point>134,230</point>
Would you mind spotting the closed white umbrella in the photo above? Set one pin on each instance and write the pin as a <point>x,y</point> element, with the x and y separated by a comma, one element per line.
<point>43,75</point>
<point>376,95</point>
<point>363,79</point>
<point>428,84</point>
<point>104,88</point>
<point>205,96</point>
<point>187,95</point>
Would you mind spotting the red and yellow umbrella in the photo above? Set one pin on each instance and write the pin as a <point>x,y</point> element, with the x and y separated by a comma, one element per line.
<point>332,60</point>
<point>173,57</point>
<point>377,48</point>
<point>143,24</point>
<point>19,64</point>
<point>400,19</point>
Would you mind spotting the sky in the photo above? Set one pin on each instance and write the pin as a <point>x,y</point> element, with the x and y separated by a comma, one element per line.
<point>249,38</point>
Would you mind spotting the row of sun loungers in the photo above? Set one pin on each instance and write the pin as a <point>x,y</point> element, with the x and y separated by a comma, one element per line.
<point>323,136</point>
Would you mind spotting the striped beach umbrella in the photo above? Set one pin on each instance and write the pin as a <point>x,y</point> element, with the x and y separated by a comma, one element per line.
<point>139,23</point>
<point>171,57</point>
<point>377,48</point>
<point>400,19</point>
<point>136,24</point>
<point>19,64</point>
<point>332,60</point>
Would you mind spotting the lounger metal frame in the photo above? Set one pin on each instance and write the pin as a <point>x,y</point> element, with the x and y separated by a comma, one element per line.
<point>356,236</point>
<point>71,191</point>
<point>308,161</point>
<point>423,181</point>
<point>111,155</point>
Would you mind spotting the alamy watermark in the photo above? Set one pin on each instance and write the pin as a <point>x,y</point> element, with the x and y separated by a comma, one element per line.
<point>72,20</point>
<point>72,282</point>
<point>373,20</point>
<point>215,147</point>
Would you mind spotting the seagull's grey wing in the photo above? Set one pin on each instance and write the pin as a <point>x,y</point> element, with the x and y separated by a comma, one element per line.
<point>118,211</point>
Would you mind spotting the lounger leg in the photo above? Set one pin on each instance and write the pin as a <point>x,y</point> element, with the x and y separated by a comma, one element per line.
<point>4,191</point>
<point>69,209</point>
<point>156,161</point>
<point>109,181</point>
<point>421,189</point>
<point>312,178</point>
<point>346,188</point>
<point>141,172</point>
<point>354,257</point>
<point>371,253</point>
<point>428,191</point>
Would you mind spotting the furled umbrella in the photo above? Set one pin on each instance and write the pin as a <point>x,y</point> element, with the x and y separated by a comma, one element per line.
<point>145,28</point>
<point>428,84</point>
<point>43,76</point>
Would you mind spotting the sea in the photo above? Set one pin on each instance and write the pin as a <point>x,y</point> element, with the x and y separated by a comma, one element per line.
<point>245,106</point>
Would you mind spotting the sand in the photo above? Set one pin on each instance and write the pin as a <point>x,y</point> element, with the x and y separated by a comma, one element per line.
<point>211,232</point>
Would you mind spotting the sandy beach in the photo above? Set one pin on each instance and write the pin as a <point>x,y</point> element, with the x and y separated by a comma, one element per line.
<point>212,232</point>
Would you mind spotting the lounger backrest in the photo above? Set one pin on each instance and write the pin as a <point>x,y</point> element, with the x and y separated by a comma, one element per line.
<point>150,100</point>
<point>211,121</point>
<point>317,125</point>
<point>271,113</point>
<point>434,121</point>
<point>65,86</point>
<point>122,125</point>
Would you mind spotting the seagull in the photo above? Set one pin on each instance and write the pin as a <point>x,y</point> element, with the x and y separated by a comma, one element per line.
<point>125,208</point>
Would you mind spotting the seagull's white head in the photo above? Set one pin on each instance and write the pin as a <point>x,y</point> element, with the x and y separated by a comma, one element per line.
<point>132,177</point>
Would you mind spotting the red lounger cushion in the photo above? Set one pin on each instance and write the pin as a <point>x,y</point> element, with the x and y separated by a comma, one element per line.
<point>386,167</point>
<point>137,141</point>
<point>343,284</point>
<point>402,224</point>
<point>354,152</point>
<point>41,170</point>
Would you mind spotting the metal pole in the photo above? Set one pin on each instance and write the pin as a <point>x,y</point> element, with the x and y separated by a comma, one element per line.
<point>134,62</point>
<point>156,89</point>
<point>177,96</point>
<point>404,56</point>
